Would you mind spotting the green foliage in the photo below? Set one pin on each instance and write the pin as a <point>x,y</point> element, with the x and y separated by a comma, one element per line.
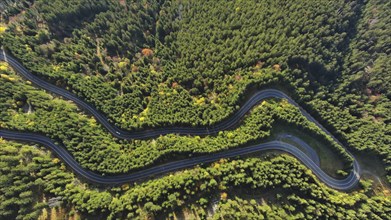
<point>361,94</point>
<point>368,64</point>
<point>10,8</point>
<point>158,63</point>
<point>238,208</point>
<point>300,194</point>
<point>213,39</point>
<point>149,64</point>
<point>23,172</point>
<point>245,40</point>
<point>61,15</point>
<point>31,109</point>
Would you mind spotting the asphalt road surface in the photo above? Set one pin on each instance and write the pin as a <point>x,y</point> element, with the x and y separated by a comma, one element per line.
<point>311,153</point>
<point>344,184</point>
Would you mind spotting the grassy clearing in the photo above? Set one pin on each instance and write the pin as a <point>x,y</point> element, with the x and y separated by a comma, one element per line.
<point>329,160</point>
<point>373,169</point>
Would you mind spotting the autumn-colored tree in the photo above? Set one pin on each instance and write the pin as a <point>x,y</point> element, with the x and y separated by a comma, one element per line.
<point>223,196</point>
<point>277,67</point>
<point>147,52</point>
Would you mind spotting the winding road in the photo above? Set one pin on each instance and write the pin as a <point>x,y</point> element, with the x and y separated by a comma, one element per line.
<point>307,149</point>
<point>344,184</point>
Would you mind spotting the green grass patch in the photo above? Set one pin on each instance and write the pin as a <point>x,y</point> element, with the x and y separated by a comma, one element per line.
<point>330,162</point>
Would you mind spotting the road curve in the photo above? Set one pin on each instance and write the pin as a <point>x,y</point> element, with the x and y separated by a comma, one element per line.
<point>348,183</point>
<point>345,184</point>
<point>311,153</point>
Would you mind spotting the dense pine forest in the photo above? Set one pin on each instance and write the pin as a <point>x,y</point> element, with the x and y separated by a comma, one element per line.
<point>289,188</point>
<point>158,63</point>
<point>30,109</point>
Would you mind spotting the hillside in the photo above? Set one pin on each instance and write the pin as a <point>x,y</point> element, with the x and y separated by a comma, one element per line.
<point>155,64</point>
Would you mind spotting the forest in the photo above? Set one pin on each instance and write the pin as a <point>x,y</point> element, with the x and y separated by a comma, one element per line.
<point>163,53</point>
<point>229,184</point>
<point>34,110</point>
<point>156,63</point>
<point>147,64</point>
